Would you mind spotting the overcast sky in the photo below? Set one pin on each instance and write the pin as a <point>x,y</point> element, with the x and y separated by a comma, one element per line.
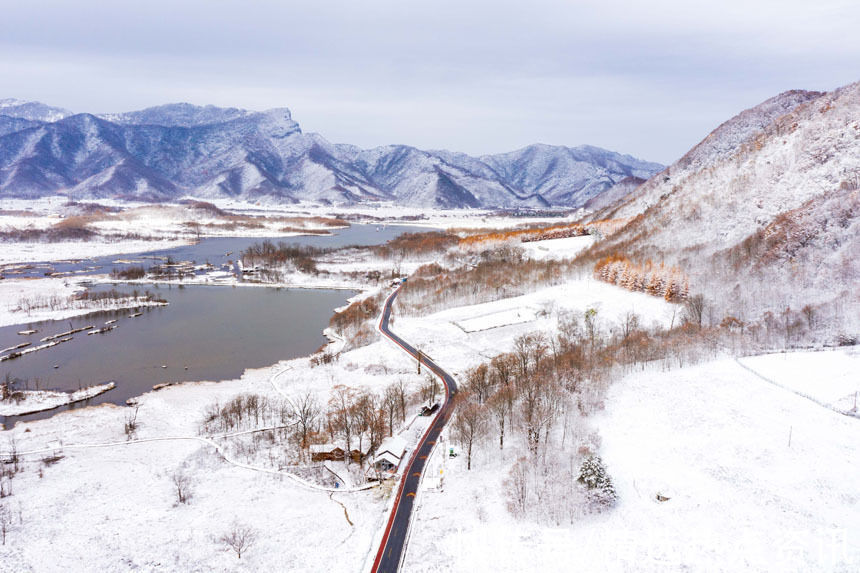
<point>646,78</point>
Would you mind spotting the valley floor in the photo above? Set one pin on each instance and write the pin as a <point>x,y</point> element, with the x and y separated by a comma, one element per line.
<point>713,438</point>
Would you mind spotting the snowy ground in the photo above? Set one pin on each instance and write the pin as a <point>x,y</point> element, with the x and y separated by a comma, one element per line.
<point>38,400</point>
<point>12,291</point>
<point>394,214</point>
<point>113,508</point>
<point>714,438</point>
<point>137,228</point>
<point>831,377</point>
<point>461,336</point>
<point>62,251</point>
<point>566,248</point>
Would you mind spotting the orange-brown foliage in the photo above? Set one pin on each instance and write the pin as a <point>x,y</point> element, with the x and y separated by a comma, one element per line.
<point>657,280</point>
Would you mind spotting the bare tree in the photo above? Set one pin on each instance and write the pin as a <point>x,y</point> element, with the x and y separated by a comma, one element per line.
<point>470,425</point>
<point>478,382</point>
<point>5,522</point>
<point>307,412</point>
<point>694,309</point>
<point>240,538</point>
<point>629,325</point>
<point>390,402</point>
<point>130,426</point>
<point>499,406</point>
<point>518,487</point>
<point>591,328</point>
<point>430,389</point>
<point>341,405</point>
<point>182,483</point>
<point>14,459</point>
<point>401,388</point>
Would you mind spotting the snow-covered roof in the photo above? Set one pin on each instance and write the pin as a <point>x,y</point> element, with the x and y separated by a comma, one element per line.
<point>323,448</point>
<point>394,445</point>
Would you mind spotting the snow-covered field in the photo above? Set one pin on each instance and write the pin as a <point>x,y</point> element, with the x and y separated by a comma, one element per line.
<point>566,248</point>
<point>63,251</point>
<point>461,336</point>
<point>713,438</point>
<point>830,377</point>
<point>400,214</point>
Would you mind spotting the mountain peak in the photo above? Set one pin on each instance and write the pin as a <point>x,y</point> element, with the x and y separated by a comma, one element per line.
<point>31,110</point>
<point>178,115</point>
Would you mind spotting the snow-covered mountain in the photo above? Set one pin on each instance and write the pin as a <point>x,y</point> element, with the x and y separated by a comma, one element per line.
<point>615,193</point>
<point>31,110</point>
<point>177,115</point>
<point>181,150</point>
<point>549,171</point>
<point>763,213</point>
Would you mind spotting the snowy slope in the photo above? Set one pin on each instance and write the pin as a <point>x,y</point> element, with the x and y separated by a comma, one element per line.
<point>615,193</point>
<point>764,212</point>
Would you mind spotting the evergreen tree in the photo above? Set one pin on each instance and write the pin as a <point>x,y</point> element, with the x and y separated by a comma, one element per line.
<point>594,477</point>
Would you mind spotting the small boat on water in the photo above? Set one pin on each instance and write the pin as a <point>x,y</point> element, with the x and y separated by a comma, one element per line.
<point>27,332</point>
<point>110,321</point>
<point>135,315</point>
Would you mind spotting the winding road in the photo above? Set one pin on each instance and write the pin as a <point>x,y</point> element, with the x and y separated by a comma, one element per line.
<point>393,544</point>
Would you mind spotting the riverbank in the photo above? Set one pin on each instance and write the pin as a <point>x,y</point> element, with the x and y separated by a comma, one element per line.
<point>30,401</point>
<point>28,301</point>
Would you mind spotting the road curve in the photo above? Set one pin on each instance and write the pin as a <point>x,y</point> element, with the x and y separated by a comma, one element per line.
<point>394,539</point>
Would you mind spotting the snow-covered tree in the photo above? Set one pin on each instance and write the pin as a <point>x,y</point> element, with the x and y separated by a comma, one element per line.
<point>595,478</point>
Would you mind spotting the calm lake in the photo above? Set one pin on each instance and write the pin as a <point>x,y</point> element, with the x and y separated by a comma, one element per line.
<point>206,332</point>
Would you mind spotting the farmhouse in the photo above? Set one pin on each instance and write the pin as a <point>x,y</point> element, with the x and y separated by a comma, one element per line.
<point>389,454</point>
<point>326,452</point>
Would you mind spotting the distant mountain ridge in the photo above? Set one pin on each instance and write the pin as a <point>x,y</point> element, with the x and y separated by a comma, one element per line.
<point>182,150</point>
